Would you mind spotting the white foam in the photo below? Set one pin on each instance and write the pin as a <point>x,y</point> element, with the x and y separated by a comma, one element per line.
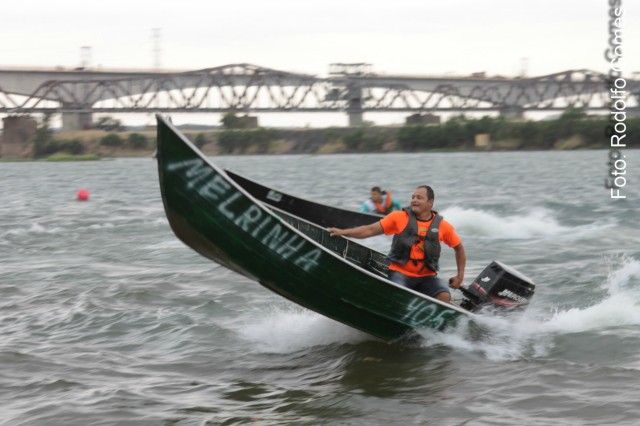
<point>614,311</point>
<point>34,228</point>
<point>624,274</point>
<point>106,225</point>
<point>531,334</point>
<point>286,330</point>
<point>496,337</point>
<point>620,307</point>
<point>537,222</point>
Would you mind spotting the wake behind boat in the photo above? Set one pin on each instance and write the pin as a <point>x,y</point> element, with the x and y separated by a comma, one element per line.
<point>295,257</point>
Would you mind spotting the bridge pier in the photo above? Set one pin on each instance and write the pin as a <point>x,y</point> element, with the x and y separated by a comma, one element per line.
<point>18,136</point>
<point>76,121</point>
<point>354,106</point>
<point>512,113</point>
<point>356,118</point>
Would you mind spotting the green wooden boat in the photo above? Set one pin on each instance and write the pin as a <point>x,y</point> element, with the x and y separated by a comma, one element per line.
<point>320,214</point>
<point>289,255</point>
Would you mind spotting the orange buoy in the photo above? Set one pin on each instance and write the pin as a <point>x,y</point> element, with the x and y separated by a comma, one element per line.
<point>82,195</point>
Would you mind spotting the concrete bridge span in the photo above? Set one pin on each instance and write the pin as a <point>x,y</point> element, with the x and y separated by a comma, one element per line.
<point>245,88</point>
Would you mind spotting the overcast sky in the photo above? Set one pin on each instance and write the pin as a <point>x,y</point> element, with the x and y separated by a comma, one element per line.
<point>397,37</point>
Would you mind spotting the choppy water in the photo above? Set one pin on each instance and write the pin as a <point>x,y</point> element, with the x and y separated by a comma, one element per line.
<point>106,318</point>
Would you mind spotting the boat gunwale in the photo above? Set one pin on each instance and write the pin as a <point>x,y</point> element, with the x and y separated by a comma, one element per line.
<point>375,216</point>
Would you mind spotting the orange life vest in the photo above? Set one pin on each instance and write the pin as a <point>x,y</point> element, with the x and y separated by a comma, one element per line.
<point>388,202</point>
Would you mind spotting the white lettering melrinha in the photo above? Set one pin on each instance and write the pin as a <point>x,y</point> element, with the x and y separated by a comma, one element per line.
<point>262,226</point>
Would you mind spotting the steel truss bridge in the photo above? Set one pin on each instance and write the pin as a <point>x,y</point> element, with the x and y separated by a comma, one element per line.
<point>245,88</point>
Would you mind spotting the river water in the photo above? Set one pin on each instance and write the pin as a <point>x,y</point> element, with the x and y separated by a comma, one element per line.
<point>107,319</point>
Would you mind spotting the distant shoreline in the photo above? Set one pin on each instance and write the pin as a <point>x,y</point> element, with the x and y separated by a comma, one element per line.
<point>572,131</point>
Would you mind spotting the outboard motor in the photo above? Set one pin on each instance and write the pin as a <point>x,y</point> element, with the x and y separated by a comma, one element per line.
<point>498,285</point>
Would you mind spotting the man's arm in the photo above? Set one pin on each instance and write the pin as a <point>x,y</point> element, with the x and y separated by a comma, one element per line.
<point>364,231</point>
<point>461,261</point>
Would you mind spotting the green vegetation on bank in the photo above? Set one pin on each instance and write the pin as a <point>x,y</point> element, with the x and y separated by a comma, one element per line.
<point>257,141</point>
<point>50,146</point>
<point>135,141</point>
<point>15,160</point>
<point>67,157</point>
<point>572,130</point>
<point>55,158</point>
<point>232,121</point>
<point>45,146</point>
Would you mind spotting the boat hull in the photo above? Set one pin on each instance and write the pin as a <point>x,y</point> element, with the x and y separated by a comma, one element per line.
<point>213,215</point>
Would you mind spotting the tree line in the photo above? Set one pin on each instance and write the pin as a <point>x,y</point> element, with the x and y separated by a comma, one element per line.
<point>573,129</point>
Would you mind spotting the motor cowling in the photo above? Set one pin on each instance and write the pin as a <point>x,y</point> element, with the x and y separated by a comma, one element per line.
<point>500,286</point>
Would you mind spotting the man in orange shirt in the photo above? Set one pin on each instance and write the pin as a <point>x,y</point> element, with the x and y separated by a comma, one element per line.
<point>417,232</point>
